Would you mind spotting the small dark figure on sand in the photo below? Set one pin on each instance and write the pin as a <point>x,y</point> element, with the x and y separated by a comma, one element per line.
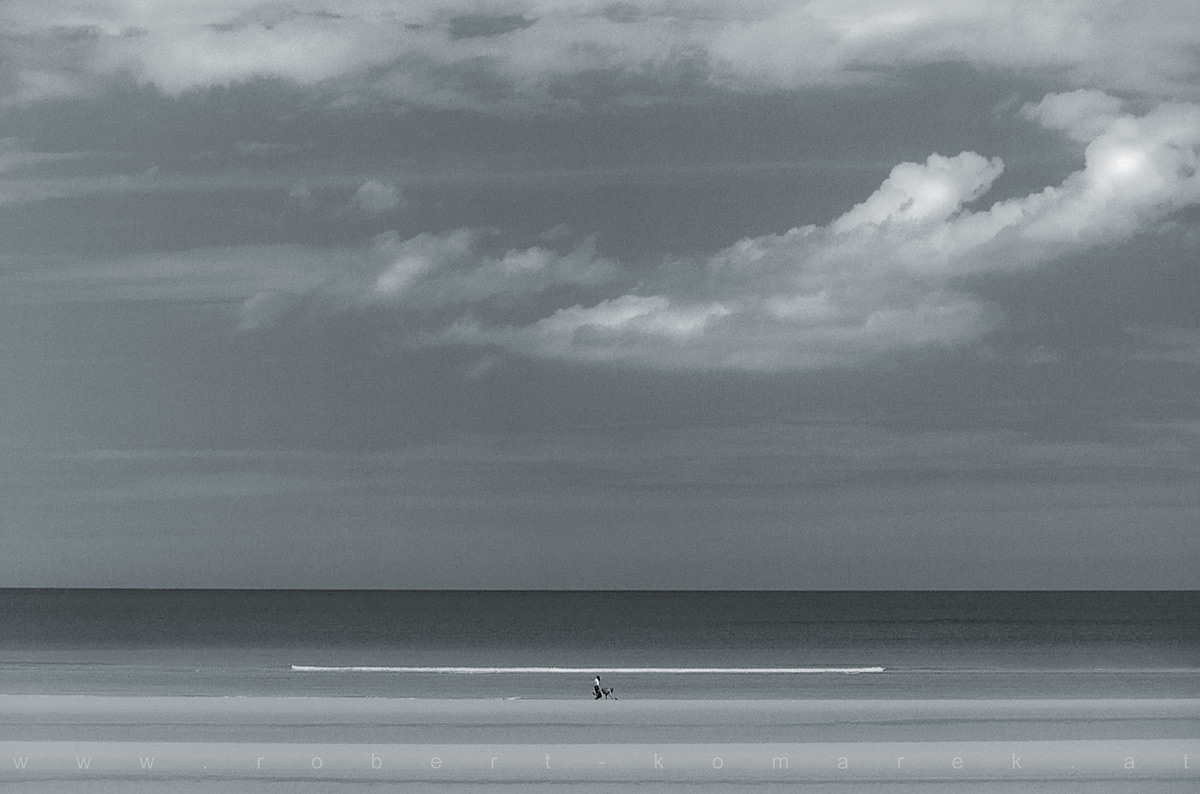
<point>601,691</point>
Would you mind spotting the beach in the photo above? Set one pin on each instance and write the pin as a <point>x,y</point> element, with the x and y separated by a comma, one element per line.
<point>476,721</point>
<point>207,694</point>
<point>201,743</point>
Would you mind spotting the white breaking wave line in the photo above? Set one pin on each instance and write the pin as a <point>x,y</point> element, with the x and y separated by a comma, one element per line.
<point>307,668</point>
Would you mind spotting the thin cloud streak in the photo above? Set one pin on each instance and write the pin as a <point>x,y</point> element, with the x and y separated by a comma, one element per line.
<point>815,455</point>
<point>828,504</point>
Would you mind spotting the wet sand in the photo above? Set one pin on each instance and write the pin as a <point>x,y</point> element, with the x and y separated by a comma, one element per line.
<point>299,744</point>
<point>88,717</point>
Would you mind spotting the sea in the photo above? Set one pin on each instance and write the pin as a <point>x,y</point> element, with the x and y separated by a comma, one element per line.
<point>551,644</point>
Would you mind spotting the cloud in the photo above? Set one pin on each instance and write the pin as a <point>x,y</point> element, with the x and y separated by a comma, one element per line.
<point>301,195</point>
<point>414,258</point>
<point>452,54</point>
<point>1081,115</point>
<point>376,197</point>
<point>27,177</point>
<point>629,329</point>
<point>424,282</point>
<point>434,271</point>
<point>1173,345</point>
<point>1138,169</point>
<point>260,149</point>
<point>891,274</point>
<point>266,309</point>
<point>783,45</point>
<point>225,273</point>
<point>886,276</point>
<point>915,193</point>
<point>20,178</point>
<point>14,157</point>
<point>802,455</point>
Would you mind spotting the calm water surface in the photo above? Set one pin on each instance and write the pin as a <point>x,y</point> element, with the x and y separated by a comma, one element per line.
<point>931,644</point>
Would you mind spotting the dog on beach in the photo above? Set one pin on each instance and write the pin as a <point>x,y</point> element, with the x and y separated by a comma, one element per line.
<point>602,691</point>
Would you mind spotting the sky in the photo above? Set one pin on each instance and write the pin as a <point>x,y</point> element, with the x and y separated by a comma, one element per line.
<point>676,294</point>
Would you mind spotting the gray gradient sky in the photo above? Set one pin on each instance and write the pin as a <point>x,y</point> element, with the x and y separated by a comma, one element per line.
<point>812,295</point>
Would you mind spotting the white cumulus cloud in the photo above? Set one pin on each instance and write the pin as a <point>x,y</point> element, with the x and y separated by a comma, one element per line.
<point>883,277</point>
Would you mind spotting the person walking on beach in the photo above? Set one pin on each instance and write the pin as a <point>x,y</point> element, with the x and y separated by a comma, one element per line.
<point>601,692</point>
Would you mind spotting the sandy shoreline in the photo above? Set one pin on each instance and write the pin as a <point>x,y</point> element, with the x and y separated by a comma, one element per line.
<point>281,710</point>
<point>198,744</point>
<point>47,717</point>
